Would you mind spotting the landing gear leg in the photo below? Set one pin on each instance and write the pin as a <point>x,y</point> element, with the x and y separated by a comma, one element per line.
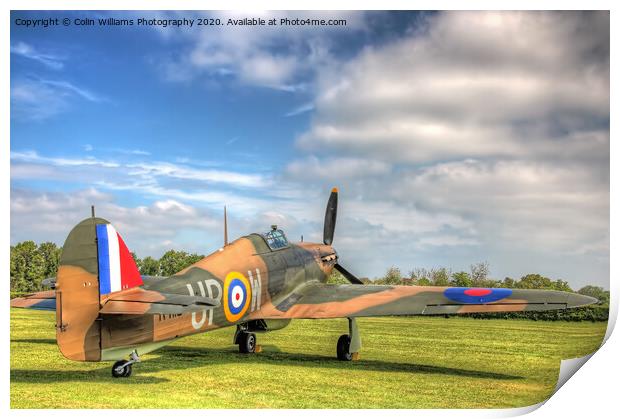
<point>123,368</point>
<point>348,346</point>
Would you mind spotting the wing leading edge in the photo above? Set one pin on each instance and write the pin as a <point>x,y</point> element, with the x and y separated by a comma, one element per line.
<point>322,301</point>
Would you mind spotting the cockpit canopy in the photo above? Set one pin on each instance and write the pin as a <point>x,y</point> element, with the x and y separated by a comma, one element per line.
<point>275,239</point>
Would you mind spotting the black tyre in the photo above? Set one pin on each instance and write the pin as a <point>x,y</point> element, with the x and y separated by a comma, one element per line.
<point>118,372</point>
<point>342,348</point>
<point>247,343</point>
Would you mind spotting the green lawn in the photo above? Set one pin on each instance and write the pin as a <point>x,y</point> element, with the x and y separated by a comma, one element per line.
<point>416,362</point>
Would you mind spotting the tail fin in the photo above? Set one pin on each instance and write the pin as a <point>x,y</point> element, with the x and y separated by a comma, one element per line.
<point>94,262</point>
<point>117,269</point>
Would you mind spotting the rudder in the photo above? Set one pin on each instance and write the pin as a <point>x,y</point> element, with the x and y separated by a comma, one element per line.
<point>94,262</point>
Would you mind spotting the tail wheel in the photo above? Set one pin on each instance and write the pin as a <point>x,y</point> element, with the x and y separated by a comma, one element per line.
<point>342,348</point>
<point>247,343</point>
<point>118,370</point>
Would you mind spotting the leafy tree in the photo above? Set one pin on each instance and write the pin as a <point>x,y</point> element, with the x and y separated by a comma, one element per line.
<point>51,255</point>
<point>440,277</point>
<point>27,267</point>
<point>173,261</point>
<point>597,292</point>
<point>336,278</point>
<point>193,258</point>
<point>560,285</point>
<point>149,266</point>
<point>461,279</point>
<point>479,273</point>
<point>534,281</point>
<point>488,283</point>
<point>424,282</point>
<point>508,283</point>
<point>420,276</point>
<point>392,276</point>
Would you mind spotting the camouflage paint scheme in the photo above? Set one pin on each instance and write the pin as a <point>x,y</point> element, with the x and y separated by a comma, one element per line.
<point>280,285</point>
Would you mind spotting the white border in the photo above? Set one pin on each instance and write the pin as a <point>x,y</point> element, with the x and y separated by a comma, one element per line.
<point>593,389</point>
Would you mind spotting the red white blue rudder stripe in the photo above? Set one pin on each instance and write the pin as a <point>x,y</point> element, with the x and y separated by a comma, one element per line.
<point>117,269</point>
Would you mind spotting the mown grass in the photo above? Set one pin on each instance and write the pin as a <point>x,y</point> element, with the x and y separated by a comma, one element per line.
<point>416,362</point>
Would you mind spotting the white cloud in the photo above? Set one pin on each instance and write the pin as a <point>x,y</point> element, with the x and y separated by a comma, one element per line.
<point>33,157</point>
<point>65,86</point>
<point>306,107</point>
<point>153,179</point>
<point>278,57</point>
<point>312,168</point>
<point>494,127</point>
<point>144,170</point>
<point>38,99</point>
<point>494,84</point>
<point>529,204</point>
<point>147,229</point>
<point>52,61</point>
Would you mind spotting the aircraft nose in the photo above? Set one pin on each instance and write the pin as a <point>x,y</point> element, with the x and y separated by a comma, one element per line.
<point>578,300</point>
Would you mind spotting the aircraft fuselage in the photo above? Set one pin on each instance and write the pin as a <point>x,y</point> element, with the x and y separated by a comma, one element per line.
<point>243,276</point>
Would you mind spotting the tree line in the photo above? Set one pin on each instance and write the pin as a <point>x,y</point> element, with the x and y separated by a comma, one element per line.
<point>31,263</point>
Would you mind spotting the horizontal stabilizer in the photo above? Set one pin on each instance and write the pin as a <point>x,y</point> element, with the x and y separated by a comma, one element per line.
<point>44,300</point>
<point>140,301</point>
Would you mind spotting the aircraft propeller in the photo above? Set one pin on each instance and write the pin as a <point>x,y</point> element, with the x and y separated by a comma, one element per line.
<point>328,233</point>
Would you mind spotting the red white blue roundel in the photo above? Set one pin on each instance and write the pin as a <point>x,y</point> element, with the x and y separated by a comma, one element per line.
<point>237,296</point>
<point>476,295</point>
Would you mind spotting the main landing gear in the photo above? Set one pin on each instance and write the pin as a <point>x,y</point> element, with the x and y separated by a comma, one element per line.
<point>348,346</point>
<point>246,341</point>
<point>123,368</point>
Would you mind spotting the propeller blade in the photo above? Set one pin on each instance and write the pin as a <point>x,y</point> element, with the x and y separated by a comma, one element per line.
<point>350,277</point>
<point>330,217</point>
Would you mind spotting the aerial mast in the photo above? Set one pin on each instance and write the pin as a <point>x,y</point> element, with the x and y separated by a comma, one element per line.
<point>225,228</point>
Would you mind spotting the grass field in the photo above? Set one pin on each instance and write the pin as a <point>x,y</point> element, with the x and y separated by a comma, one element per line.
<point>415,362</point>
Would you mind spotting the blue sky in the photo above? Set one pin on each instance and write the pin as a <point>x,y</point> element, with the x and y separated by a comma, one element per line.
<point>451,142</point>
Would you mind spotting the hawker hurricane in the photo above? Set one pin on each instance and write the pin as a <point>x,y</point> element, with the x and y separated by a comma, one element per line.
<point>107,311</point>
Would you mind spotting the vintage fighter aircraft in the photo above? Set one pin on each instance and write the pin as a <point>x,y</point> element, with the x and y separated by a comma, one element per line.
<point>106,311</point>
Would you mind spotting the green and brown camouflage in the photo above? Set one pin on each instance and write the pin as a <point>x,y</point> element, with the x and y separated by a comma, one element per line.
<point>259,282</point>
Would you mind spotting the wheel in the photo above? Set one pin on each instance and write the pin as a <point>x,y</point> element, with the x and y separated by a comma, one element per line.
<point>247,343</point>
<point>121,372</point>
<point>342,348</point>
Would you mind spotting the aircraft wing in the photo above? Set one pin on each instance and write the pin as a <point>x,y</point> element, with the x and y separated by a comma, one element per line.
<point>322,301</point>
<point>43,300</point>
<point>141,301</point>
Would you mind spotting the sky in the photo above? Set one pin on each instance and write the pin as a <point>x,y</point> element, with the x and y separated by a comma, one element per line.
<point>454,137</point>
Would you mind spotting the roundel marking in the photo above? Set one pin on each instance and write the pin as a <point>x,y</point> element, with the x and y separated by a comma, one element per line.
<point>237,296</point>
<point>476,295</point>
<point>477,292</point>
